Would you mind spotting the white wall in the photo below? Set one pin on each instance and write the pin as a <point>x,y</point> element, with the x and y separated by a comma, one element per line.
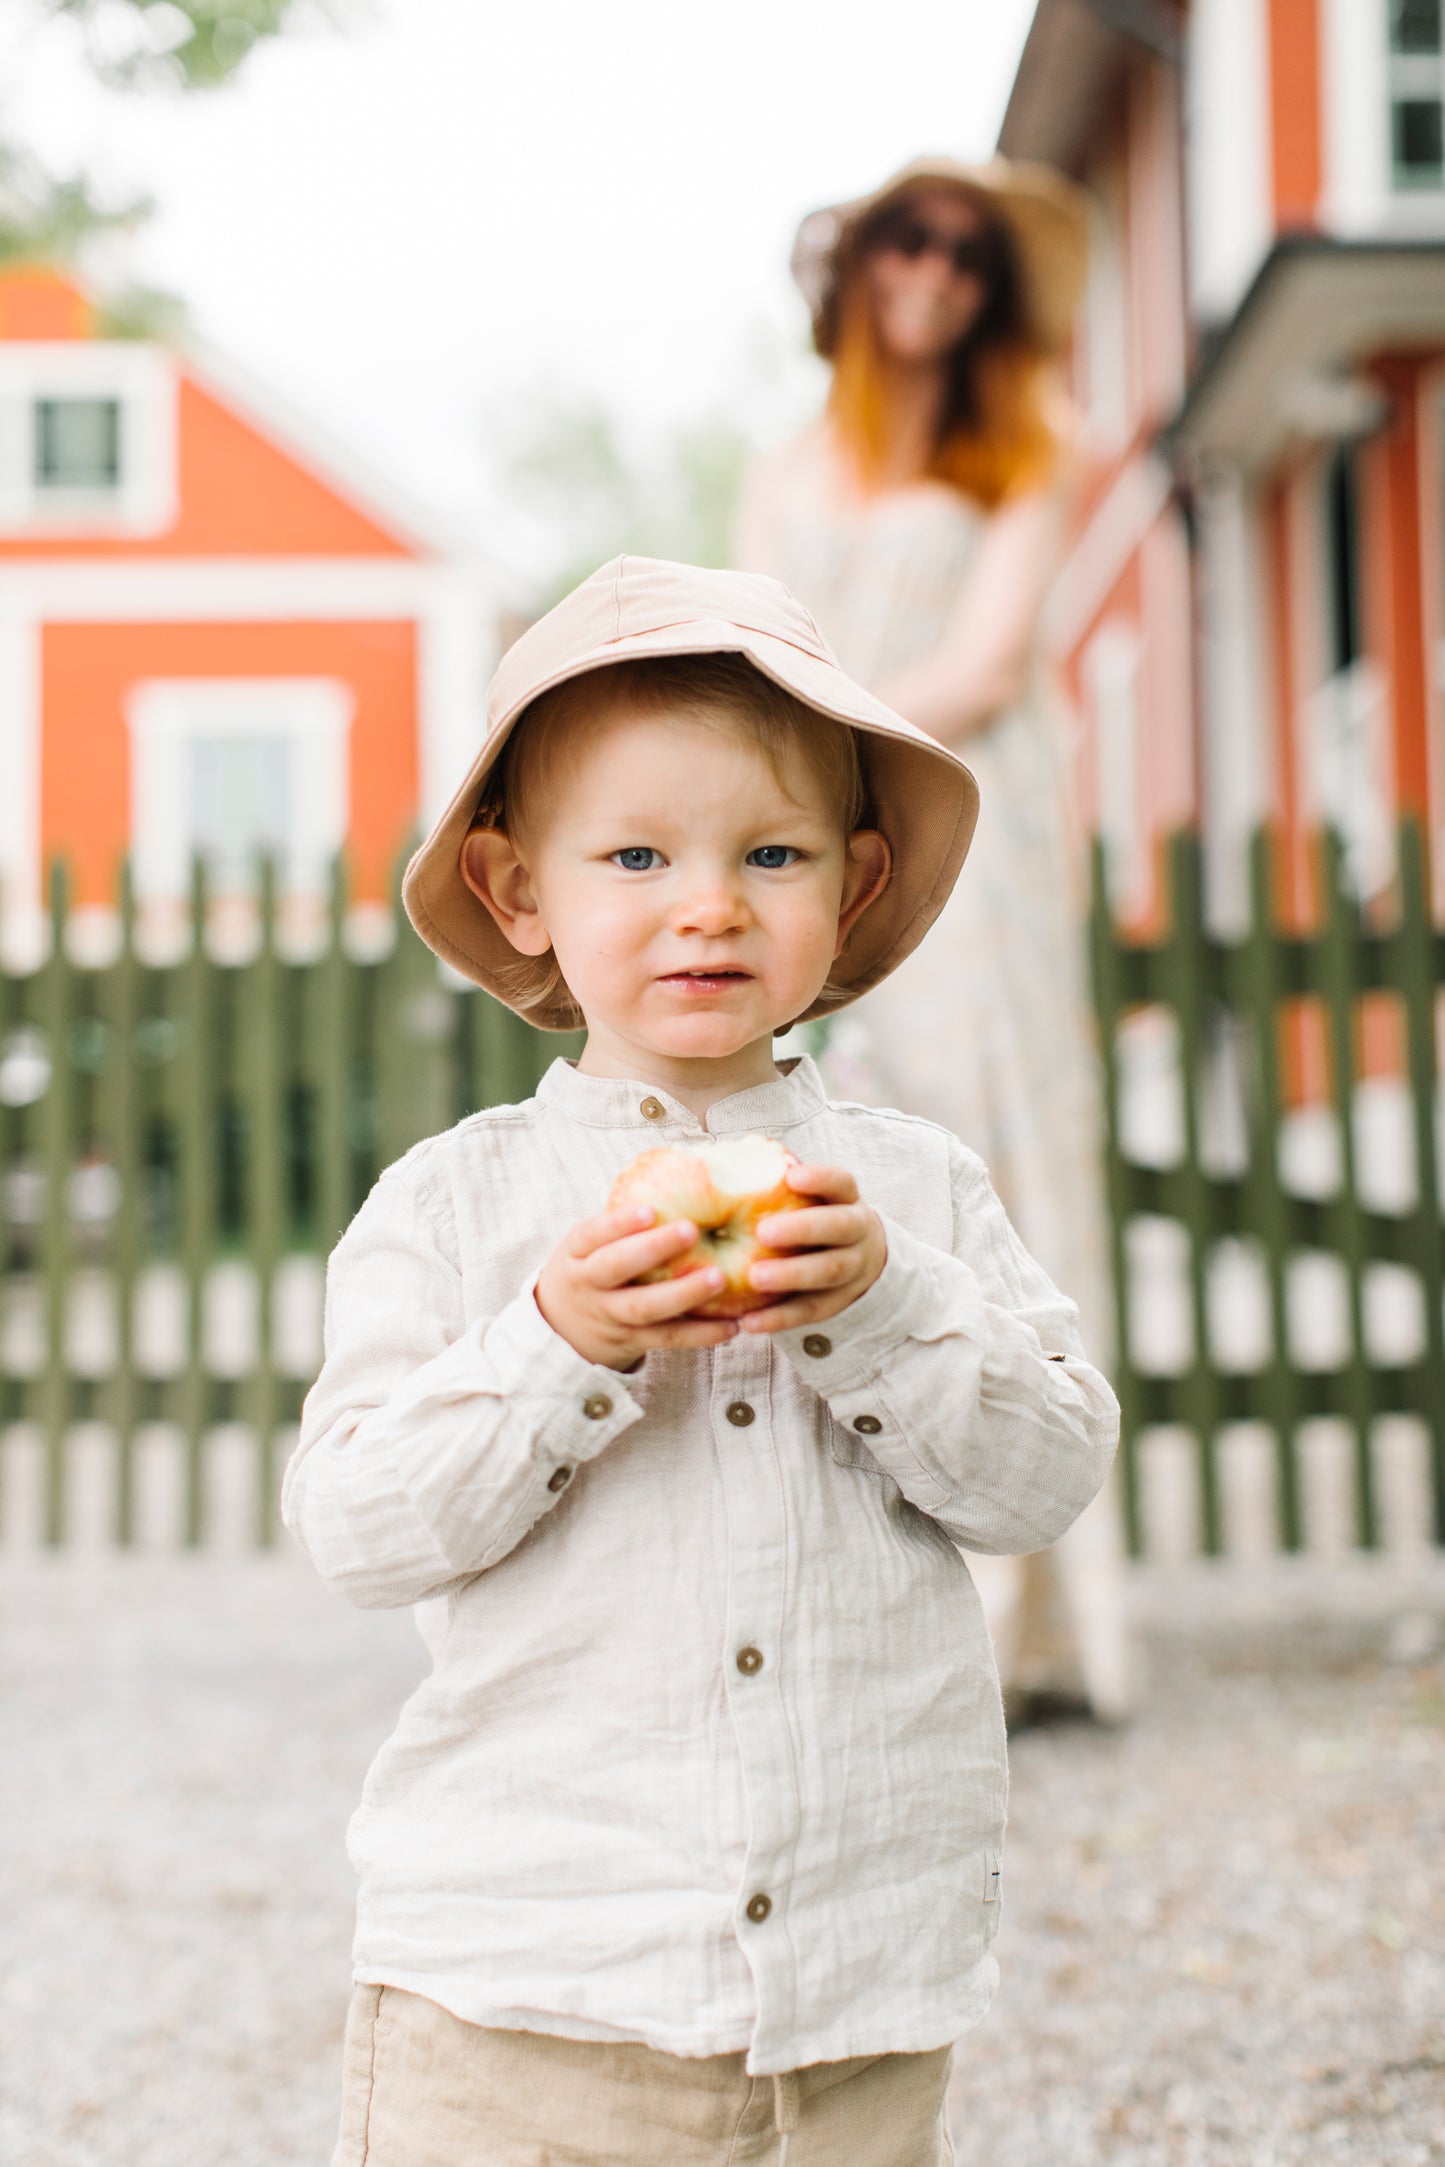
<point>1228,150</point>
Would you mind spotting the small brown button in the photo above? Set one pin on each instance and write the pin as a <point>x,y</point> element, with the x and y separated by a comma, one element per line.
<point>816,1344</point>
<point>559,1478</point>
<point>596,1406</point>
<point>740,1414</point>
<point>652,1110</point>
<point>1058,1358</point>
<point>867,1425</point>
<point>758,1908</point>
<point>750,1660</point>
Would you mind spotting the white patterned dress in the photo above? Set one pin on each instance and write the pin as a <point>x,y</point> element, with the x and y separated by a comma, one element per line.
<point>986,1027</point>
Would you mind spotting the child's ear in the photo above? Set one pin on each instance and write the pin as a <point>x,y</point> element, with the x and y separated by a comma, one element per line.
<point>870,867</point>
<point>497,877</point>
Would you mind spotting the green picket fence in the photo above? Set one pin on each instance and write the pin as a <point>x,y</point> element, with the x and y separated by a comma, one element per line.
<point>163,1125</point>
<point>156,1121</point>
<point>1237,992</point>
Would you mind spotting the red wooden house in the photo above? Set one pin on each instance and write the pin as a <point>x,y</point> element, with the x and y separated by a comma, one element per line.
<point>1252,613</point>
<point>216,636</point>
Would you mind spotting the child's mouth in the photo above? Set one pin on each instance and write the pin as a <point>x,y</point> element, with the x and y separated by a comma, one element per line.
<point>705,981</point>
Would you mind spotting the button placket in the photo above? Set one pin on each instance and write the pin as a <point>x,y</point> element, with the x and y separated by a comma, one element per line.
<point>753,1474</point>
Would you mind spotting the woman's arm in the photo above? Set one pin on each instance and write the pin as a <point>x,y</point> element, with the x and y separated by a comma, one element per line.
<point>980,668</point>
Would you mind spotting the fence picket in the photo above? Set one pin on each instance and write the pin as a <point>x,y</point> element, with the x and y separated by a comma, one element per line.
<point>1259,988</point>
<point>123,1129</point>
<point>1340,981</point>
<point>196,1015</point>
<point>1417,977</point>
<point>59,1155</point>
<point>1199,1396</point>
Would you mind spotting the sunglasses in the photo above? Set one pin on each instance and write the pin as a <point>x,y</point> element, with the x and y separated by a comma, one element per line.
<point>969,255</point>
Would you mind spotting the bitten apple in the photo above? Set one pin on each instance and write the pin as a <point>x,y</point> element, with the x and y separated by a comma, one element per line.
<point>726,1188</point>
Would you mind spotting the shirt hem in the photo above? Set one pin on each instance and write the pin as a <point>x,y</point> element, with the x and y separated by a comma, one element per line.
<point>958,2013</point>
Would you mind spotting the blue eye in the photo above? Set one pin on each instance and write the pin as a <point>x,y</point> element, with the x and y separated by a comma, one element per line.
<point>638,860</point>
<point>772,857</point>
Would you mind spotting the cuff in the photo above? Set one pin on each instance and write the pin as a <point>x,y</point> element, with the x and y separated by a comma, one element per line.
<point>916,1296</point>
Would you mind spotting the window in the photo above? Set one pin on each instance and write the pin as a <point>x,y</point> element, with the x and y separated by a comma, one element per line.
<point>232,770</point>
<point>77,443</point>
<point>87,438</point>
<point>1342,542</point>
<point>1417,92</point>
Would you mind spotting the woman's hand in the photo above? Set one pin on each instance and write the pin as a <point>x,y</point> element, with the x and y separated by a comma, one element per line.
<point>586,1293</point>
<point>846,1250</point>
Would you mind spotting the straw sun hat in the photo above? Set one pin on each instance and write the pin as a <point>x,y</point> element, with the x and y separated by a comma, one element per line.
<point>923,799</point>
<point>1044,215</point>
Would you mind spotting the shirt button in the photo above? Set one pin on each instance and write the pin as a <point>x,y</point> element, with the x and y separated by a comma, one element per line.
<point>816,1344</point>
<point>740,1414</point>
<point>559,1478</point>
<point>596,1406</point>
<point>758,1908</point>
<point>652,1110</point>
<point>867,1425</point>
<point>750,1660</point>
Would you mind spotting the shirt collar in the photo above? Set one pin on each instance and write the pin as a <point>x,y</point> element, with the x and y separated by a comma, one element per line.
<point>610,1102</point>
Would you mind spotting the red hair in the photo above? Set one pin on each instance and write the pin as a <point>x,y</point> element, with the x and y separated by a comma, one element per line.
<point>994,439</point>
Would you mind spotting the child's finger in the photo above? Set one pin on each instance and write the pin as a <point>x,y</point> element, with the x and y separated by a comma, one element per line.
<point>800,1309</point>
<point>827,1227</point>
<point>666,1298</point>
<point>590,1234</point>
<point>613,1263</point>
<point>817,1269</point>
<point>833,1183</point>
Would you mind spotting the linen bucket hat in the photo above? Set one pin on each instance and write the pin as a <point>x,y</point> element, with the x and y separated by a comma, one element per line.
<point>922,798</point>
<point>1045,216</point>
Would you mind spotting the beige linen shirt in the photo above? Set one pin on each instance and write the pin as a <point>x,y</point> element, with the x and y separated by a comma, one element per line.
<point>711,1755</point>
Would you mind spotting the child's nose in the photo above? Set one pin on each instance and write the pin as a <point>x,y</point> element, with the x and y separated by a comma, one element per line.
<point>713,906</point>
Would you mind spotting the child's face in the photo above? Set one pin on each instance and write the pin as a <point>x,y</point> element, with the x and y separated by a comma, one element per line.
<point>695,899</point>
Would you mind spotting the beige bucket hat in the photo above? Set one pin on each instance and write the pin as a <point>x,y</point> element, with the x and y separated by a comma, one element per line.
<point>923,799</point>
<point>1045,216</point>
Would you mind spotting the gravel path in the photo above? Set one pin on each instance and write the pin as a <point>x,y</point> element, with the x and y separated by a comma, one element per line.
<point>1224,1940</point>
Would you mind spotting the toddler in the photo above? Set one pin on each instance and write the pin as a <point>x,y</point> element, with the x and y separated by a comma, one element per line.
<point>687,1852</point>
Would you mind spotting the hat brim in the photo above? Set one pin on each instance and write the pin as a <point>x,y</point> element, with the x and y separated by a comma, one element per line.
<point>921,797</point>
<point>1045,215</point>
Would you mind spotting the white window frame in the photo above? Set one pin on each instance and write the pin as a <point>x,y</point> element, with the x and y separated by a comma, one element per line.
<point>1419,77</point>
<point>167,715</point>
<point>141,379</point>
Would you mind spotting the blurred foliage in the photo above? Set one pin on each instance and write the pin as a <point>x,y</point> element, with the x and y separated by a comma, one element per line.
<point>47,220</point>
<point>176,44</point>
<point>588,494</point>
<point>132,45</point>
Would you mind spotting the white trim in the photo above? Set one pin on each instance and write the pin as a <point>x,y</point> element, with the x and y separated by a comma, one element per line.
<point>1235,735</point>
<point>1100,555</point>
<point>456,654</point>
<point>334,465</point>
<point>1360,196</point>
<point>142,380</point>
<point>174,590</point>
<point>1110,668</point>
<point>1227,137</point>
<point>21,902</point>
<point>166,714</point>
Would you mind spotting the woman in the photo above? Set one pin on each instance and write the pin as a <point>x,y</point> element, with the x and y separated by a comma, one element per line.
<point>917,521</point>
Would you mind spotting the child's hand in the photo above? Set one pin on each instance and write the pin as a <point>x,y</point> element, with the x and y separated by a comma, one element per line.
<point>585,1291</point>
<point>847,1250</point>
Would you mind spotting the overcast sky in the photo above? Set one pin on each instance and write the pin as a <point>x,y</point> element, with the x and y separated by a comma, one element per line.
<point>409,229</point>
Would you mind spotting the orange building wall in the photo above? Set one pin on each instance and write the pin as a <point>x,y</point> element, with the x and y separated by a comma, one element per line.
<point>240,495</point>
<point>88,670</point>
<point>1294,112</point>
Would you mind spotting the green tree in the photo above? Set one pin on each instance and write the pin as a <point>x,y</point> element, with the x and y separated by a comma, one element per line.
<point>129,45</point>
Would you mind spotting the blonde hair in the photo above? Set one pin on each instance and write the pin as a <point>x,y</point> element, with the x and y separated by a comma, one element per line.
<point>994,438</point>
<point>723,690</point>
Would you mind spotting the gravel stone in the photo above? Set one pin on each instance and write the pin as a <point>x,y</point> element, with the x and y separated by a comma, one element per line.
<point>1223,1941</point>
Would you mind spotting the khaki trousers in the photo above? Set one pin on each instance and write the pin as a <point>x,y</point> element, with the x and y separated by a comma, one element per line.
<point>423,2089</point>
